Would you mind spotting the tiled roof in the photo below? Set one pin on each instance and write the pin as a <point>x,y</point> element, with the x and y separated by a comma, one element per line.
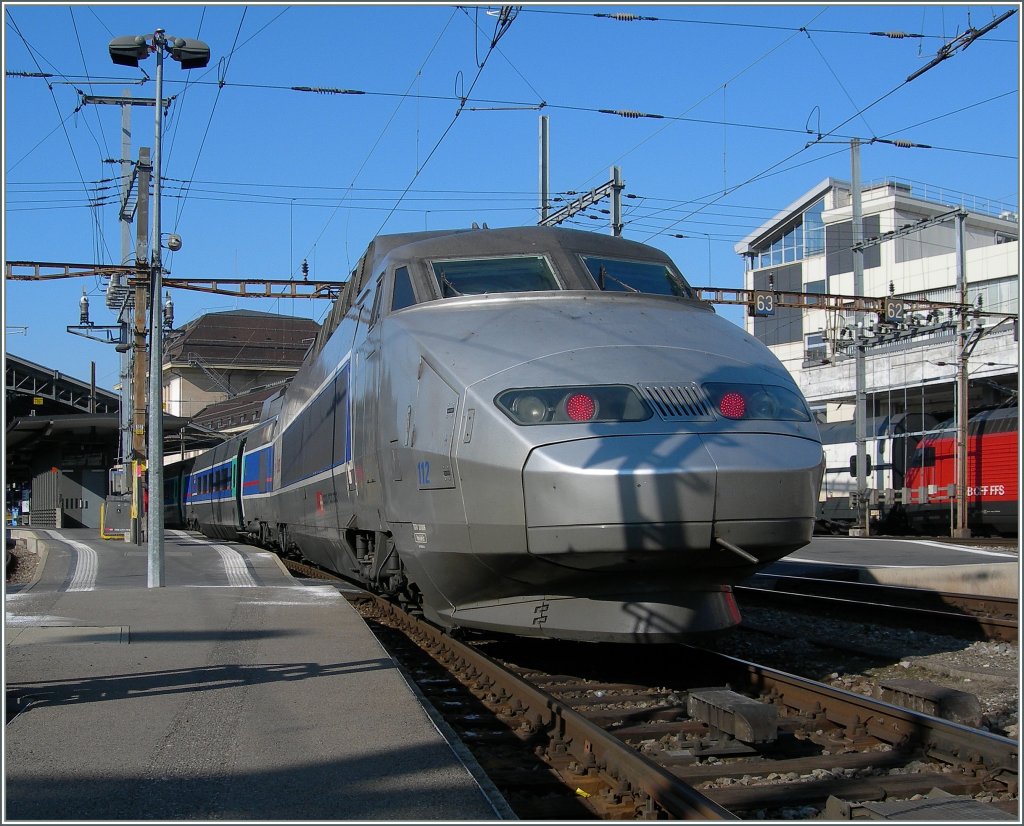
<point>242,338</point>
<point>241,411</point>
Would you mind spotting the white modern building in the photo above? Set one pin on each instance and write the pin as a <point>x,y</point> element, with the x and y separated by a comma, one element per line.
<point>910,366</point>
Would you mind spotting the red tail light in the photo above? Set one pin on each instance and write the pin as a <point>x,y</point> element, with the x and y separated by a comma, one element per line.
<point>757,402</point>
<point>580,407</point>
<point>732,405</point>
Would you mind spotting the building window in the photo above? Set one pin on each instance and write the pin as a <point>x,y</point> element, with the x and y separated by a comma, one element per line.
<point>814,228</point>
<point>805,237</point>
<point>814,347</point>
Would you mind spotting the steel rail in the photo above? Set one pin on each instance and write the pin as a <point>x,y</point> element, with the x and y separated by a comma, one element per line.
<point>577,747</point>
<point>984,617</point>
<point>857,713</point>
<point>571,733</point>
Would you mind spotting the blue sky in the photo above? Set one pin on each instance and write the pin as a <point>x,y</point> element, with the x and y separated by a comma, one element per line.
<point>758,104</point>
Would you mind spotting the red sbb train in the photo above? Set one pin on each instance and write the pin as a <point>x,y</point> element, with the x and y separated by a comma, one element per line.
<point>992,476</point>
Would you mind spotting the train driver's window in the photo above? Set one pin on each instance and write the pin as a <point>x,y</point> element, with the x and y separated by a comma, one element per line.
<point>403,295</point>
<point>619,275</point>
<point>527,273</point>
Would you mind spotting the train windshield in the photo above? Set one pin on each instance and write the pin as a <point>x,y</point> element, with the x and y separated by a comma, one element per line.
<point>617,275</point>
<point>494,275</point>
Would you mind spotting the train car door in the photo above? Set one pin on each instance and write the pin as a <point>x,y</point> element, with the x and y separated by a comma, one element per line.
<point>236,485</point>
<point>433,427</point>
<point>364,484</point>
<point>222,504</point>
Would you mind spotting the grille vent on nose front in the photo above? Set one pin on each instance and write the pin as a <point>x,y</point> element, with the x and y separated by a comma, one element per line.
<point>678,402</point>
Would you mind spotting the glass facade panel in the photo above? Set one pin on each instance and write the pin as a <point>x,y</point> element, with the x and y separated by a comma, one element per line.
<point>814,228</point>
<point>806,237</point>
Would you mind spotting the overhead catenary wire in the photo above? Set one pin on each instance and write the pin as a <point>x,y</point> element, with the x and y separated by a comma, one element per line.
<point>640,207</point>
<point>97,226</point>
<point>380,137</point>
<point>830,133</point>
<point>501,28</point>
<point>628,17</point>
<point>226,63</point>
<point>724,122</point>
<point>464,100</point>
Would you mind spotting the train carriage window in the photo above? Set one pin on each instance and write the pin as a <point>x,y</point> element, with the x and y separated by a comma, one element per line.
<point>617,275</point>
<point>402,296</point>
<point>375,309</point>
<point>476,276</point>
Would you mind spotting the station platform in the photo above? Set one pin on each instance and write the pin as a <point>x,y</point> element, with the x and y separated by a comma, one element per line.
<point>939,565</point>
<point>233,692</point>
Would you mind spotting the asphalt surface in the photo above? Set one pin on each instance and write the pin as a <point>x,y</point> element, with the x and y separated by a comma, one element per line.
<point>234,692</point>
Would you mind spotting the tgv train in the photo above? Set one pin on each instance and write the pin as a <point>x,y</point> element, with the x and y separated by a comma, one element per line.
<point>532,430</point>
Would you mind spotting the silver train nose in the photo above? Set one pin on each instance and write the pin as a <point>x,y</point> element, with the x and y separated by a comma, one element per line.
<point>655,499</point>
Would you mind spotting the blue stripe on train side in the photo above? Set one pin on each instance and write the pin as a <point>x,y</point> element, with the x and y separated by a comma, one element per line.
<point>211,485</point>
<point>258,471</point>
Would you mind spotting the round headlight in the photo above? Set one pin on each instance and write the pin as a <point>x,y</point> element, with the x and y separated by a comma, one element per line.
<point>763,406</point>
<point>530,409</point>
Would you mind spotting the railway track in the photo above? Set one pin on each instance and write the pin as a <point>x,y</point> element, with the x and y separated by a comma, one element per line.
<point>963,615</point>
<point>570,732</point>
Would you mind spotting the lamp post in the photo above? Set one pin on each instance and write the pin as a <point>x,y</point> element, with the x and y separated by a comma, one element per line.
<point>192,54</point>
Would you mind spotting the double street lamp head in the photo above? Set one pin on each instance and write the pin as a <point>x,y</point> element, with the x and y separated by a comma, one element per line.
<point>128,50</point>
